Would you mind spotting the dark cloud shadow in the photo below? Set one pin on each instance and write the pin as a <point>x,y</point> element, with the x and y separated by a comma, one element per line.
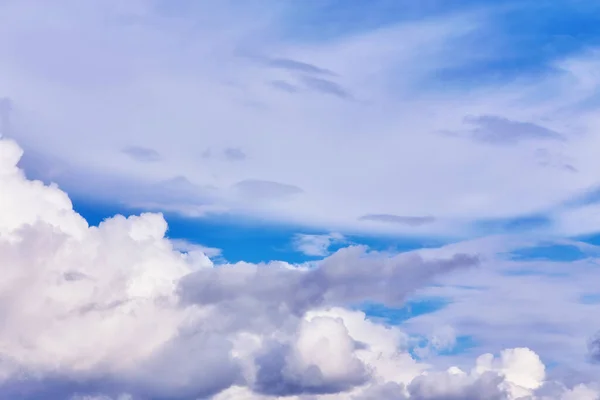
<point>275,379</point>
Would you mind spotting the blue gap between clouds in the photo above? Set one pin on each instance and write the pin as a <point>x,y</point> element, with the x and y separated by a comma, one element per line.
<point>395,316</point>
<point>550,252</point>
<point>590,298</point>
<point>526,34</point>
<point>244,240</point>
<point>238,241</point>
<point>411,309</point>
<point>461,346</point>
<point>527,37</point>
<point>520,224</point>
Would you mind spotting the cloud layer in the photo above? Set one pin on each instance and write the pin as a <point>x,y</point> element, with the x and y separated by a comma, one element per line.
<point>117,311</point>
<point>315,132</point>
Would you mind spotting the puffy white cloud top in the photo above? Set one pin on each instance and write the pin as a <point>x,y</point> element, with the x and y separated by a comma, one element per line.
<point>117,312</point>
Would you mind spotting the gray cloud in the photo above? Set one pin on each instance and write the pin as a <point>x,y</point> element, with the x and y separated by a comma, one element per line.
<point>349,276</point>
<point>142,154</point>
<point>188,355</point>
<point>298,66</point>
<point>499,130</point>
<point>274,297</point>
<point>274,377</point>
<point>398,219</point>
<point>594,348</point>
<point>234,154</point>
<point>256,188</point>
<point>56,386</point>
<point>386,391</point>
<point>444,386</point>
<point>326,86</point>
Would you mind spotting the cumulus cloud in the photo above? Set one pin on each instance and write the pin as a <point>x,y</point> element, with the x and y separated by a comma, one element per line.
<point>316,245</point>
<point>118,312</point>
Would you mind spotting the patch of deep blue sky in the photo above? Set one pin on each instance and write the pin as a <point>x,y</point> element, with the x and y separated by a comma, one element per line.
<point>525,35</point>
<point>259,241</point>
<point>411,309</point>
<point>244,239</point>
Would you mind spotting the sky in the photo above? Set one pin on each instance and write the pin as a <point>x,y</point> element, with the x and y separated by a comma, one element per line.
<point>300,200</point>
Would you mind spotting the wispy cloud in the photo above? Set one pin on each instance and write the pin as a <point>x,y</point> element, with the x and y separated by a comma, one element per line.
<point>142,154</point>
<point>196,96</point>
<point>498,130</point>
<point>298,66</point>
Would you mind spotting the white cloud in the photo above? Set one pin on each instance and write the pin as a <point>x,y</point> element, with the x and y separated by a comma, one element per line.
<point>188,247</point>
<point>316,245</point>
<point>185,83</point>
<point>582,220</point>
<point>114,311</point>
<point>440,340</point>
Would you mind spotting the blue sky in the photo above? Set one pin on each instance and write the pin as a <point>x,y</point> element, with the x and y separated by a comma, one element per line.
<point>315,137</point>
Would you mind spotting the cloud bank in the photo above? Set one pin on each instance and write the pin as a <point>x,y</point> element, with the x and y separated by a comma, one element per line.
<point>118,312</point>
<point>350,121</point>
